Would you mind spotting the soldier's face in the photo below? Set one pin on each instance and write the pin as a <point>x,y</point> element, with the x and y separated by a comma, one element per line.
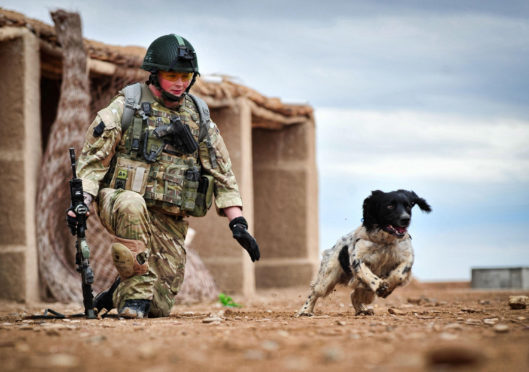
<point>175,83</point>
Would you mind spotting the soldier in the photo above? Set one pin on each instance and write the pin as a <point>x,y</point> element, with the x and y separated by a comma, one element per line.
<point>151,158</point>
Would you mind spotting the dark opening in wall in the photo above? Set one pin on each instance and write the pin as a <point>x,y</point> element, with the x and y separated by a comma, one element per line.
<point>49,99</point>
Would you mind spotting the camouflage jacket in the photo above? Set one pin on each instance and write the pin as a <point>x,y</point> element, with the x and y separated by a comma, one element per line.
<point>103,142</point>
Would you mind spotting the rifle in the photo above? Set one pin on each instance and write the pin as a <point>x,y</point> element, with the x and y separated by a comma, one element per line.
<point>82,255</point>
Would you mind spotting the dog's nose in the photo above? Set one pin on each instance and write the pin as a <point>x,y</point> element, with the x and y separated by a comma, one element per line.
<point>405,221</point>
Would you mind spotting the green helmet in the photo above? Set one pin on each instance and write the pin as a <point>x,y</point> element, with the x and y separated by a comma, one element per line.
<point>170,53</point>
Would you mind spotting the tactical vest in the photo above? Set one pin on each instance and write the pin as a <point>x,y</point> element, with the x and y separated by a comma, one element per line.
<point>151,161</point>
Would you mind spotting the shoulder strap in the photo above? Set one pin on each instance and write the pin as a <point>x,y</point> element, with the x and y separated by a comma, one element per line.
<point>203,134</point>
<point>132,95</point>
<point>203,112</point>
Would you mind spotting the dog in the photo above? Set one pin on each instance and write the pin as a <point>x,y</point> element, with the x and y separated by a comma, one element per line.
<point>375,258</point>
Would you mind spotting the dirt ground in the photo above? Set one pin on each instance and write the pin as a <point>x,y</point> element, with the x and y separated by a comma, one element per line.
<point>417,328</point>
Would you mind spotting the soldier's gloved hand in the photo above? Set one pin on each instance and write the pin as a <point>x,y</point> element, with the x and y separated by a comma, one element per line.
<point>71,217</point>
<point>239,228</point>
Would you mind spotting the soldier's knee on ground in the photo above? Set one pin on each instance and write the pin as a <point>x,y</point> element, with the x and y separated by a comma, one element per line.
<point>129,257</point>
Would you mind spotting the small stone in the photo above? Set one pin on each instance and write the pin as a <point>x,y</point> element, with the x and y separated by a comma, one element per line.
<point>501,328</point>
<point>518,302</point>
<point>491,321</point>
<point>484,302</point>
<point>469,310</point>
<point>521,318</point>
<point>211,320</point>
<point>471,321</point>
<point>454,354</point>
<point>454,326</point>
<point>394,311</point>
<point>188,313</point>
<point>448,336</point>
<point>340,322</point>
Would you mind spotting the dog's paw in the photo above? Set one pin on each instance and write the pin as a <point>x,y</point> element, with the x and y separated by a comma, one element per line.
<point>365,312</point>
<point>383,290</point>
<point>303,313</point>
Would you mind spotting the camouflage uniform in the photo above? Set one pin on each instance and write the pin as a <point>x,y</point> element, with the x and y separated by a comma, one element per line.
<point>157,224</point>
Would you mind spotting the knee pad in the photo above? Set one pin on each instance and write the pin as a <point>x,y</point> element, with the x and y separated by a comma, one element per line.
<point>130,257</point>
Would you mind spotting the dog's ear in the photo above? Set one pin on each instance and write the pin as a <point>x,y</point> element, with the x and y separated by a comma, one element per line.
<point>370,210</point>
<point>414,198</point>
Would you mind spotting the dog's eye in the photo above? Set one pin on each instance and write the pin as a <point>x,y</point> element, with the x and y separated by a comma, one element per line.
<point>390,206</point>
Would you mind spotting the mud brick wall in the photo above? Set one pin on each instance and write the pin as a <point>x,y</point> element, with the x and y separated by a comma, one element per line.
<point>286,205</point>
<point>20,154</point>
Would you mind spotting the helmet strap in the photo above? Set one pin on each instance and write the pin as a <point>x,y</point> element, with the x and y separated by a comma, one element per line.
<point>153,79</point>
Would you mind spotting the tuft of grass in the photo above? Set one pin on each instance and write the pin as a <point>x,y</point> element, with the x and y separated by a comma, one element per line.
<point>226,300</point>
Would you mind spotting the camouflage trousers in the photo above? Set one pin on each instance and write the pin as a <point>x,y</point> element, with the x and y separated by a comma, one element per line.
<point>125,215</point>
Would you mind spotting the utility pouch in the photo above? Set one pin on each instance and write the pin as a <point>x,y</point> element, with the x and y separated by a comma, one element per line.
<point>189,191</point>
<point>130,175</point>
<point>204,197</point>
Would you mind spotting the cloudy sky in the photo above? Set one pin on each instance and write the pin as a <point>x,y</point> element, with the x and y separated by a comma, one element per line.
<point>417,94</point>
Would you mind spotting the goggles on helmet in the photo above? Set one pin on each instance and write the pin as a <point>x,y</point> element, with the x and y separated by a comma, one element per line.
<point>175,75</point>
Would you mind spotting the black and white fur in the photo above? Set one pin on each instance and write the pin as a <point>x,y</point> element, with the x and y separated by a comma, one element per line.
<point>375,258</point>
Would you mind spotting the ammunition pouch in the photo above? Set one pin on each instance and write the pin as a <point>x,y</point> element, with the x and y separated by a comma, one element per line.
<point>204,196</point>
<point>130,175</point>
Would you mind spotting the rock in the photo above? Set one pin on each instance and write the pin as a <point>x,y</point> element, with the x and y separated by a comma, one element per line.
<point>501,328</point>
<point>518,302</point>
<point>394,311</point>
<point>415,301</point>
<point>484,302</point>
<point>211,320</point>
<point>454,326</point>
<point>448,336</point>
<point>491,321</point>
<point>454,355</point>
<point>340,322</point>
<point>471,321</point>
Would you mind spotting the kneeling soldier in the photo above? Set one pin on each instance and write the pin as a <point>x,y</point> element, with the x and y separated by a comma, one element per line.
<point>151,158</point>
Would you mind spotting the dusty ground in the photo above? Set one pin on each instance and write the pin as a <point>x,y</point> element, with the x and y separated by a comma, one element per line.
<point>433,328</point>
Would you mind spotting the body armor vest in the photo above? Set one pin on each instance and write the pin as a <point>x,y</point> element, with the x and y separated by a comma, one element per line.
<point>154,160</point>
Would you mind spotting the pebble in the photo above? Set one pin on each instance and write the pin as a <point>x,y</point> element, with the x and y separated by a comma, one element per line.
<point>415,301</point>
<point>211,320</point>
<point>448,336</point>
<point>518,302</point>
<point>396,311</point>
<point>471,321</point>
<point>340,322</point>
<point>484,302</point>
<point>454,354</point>
<point>501,328</point>
<point>188,313</point>
<point>455,326</point>
<point>491,321</point>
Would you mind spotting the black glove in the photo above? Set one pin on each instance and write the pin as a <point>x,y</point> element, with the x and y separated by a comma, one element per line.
<point>71,221</point>
<point>239,228</point>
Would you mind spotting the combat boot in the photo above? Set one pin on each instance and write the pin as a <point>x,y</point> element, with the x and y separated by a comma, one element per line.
<point>104,299</point>
<point>135,309</point>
